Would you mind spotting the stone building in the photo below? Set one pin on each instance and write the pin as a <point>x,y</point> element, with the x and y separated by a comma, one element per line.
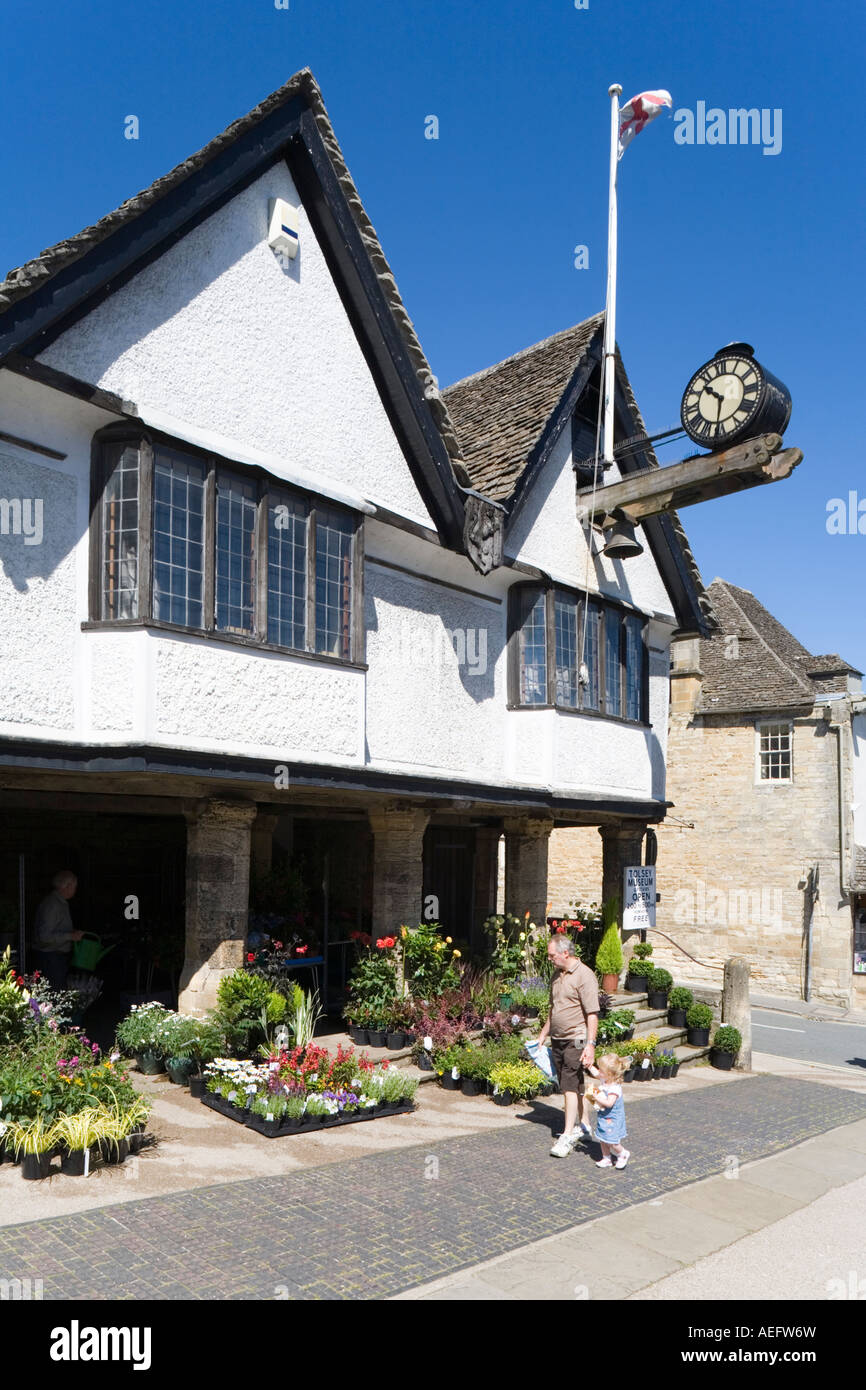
<point>289,604</point>
<point>763,850</point>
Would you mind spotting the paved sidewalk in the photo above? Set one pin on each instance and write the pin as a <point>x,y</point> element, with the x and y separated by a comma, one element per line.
<point>377,1225</point>
<point>784,1227</point>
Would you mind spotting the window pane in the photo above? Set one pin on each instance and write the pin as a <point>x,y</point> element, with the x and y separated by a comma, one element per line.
<point>178,510</point>
<point>591,648</point>
<point>119,580</point>
<point>287,571</point>
<point>776,740</point>
<point>633,667</point>
<point>612,698</point>
<point>565,619</point>
<point>235,591</point>
<point>334,532</point>
<point>532,651</point>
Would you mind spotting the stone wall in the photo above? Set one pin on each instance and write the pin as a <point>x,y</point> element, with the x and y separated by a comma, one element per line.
<point>729,885</point>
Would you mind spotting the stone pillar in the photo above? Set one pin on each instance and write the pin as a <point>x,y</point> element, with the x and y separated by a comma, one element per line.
<point>263,829</point>
<point>527,839</point>
<point>398,866</point>
<point>736,1009</point>
<point>217,898</point>
<point>622,843</point>
<point>686,675</point>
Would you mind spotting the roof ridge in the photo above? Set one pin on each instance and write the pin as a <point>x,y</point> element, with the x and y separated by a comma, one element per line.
<point>524,352</point>
<point>801,681</point>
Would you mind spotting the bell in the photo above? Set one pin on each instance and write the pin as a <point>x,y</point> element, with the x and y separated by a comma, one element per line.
<point>620,541</point>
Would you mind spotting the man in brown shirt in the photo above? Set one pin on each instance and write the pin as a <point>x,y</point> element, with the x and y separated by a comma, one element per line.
<point>572,1026</point>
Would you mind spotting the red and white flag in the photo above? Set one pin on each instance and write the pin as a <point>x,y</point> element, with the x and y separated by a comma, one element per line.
<point>639,112</point>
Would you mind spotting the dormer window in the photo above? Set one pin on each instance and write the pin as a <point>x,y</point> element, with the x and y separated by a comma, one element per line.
<point>568,654</point>
<point>181,539</point>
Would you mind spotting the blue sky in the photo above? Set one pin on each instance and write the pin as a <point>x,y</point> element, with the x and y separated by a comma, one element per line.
<point>716,242</point>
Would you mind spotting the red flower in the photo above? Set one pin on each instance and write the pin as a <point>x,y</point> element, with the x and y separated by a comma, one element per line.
<point>278,945</point>
<point>301,950</point>
<point>390,941</point>
<point>250,957</point>
<point>560,931</point>
<point>380,942</point>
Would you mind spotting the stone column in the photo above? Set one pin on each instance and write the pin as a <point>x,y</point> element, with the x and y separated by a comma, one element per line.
<point>263,829</point>
<point>217,898</point>
<point>736,1009</point>
<point>398,866</point>
<point>622,843</point>
<point>526,844</point>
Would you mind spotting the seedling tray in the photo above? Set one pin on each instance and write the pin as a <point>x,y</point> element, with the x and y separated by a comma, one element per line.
<point>269,1130</point>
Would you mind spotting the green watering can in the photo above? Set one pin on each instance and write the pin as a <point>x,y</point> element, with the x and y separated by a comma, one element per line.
<point>88,952</point>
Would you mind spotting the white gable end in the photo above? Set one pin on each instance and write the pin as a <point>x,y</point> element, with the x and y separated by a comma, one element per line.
<point>220,334</point>
<point>547,534</point>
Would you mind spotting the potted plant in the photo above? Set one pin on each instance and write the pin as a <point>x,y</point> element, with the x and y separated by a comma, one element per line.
<point>447,1064</point>
<point>699,1021</point>
<point>515,1081</point>
<point>680,1001</point>
<point>658,984</point>
<point>79,1134</point>
<point>472,1072</point>
<point>726,1044</point>
<point>34,1145</point>
<point>142,1035</point>
<point>608,959</point>
<point>638,975</point>
<point>397,1018</point>
<point>357,1016</point>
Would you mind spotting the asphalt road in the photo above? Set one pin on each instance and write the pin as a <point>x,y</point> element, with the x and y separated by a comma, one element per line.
<point>789,1035</point>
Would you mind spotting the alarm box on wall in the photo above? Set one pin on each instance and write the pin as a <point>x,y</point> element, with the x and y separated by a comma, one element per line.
<point>283,227</point>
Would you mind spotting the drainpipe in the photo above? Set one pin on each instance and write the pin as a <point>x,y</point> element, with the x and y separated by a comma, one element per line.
<point>812,893</point>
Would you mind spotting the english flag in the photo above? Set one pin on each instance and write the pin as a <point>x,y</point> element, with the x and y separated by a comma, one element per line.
<point>639,112</point>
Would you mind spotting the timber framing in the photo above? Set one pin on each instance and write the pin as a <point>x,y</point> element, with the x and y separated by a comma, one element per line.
<point>700,478</point>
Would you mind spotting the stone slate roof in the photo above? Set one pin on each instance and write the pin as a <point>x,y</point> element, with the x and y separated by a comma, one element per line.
<point>35,273</point>
<point>766,668</point>
<point>500,413</point>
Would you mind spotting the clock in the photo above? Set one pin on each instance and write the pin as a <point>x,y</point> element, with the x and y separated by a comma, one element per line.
<point>733,398</point>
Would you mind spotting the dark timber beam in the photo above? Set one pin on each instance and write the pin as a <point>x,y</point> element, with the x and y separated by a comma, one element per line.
<point>692,480</point>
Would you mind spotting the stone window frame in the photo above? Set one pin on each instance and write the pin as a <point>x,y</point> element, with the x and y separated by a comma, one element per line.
<point>760,726</point>
<point>523,600</point>
<point>108,447</point>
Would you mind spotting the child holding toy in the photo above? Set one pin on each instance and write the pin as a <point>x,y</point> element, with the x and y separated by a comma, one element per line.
<point>608,1102</point>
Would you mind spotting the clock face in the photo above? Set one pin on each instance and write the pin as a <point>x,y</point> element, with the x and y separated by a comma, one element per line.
<point>721,399</point>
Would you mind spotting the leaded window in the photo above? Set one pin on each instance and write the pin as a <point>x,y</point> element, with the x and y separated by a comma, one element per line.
<point>180,538</point>
<point>595,651</point>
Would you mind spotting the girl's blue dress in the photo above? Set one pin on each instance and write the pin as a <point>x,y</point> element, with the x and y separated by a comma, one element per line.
<point>610,1124</point>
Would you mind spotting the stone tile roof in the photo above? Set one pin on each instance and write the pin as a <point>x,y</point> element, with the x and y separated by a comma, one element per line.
<point>27,278</point>
<point>500,413</point>
<point>765,667</point>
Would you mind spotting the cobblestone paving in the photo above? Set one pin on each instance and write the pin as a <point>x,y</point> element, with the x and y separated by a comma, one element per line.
<point>371,1227</point>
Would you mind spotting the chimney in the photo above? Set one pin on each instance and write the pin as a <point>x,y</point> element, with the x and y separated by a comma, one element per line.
<point>686,675</point>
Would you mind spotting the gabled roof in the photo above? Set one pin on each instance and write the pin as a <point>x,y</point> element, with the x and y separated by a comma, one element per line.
<point>508,415</point>
<point>500,413</point>
<point>39,299</point>
<point>766,668</point>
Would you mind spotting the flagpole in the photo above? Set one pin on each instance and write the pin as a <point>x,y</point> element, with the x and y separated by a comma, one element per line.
<point>614,92</point>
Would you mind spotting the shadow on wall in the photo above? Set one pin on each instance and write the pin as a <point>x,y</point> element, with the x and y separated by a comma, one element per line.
<point>422,644</point>
<point>37,520</point>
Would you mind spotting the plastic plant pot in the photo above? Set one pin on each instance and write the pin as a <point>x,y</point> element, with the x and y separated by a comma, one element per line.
<point>179,1069</point>
<point>150,1063</point>
<point>376,1037</point>
<point>72,1163</point>
<point>395,1041</point>
<point>677,1018</point>
<point>34,1167</point>
<point>360,1036</point>
<point>698,1037</point>
<point>450,1082</point>
<point>197,1085</point>
<point>723,1061</point>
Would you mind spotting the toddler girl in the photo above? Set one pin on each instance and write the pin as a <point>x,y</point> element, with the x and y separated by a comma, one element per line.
<point>608,1102</point>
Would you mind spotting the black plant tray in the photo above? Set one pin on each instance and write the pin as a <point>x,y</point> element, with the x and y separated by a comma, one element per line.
<point>282,1131</point>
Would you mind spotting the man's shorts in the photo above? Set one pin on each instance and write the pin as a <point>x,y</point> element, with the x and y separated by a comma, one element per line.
<point>566,1063</point>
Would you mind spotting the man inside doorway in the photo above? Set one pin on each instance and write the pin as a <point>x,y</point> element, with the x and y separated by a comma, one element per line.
<point>572,1026</point>
<point>53,932</point>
